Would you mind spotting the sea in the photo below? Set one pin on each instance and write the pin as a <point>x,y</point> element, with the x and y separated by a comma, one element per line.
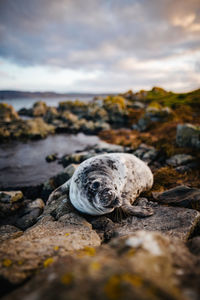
<point>23,163</point>
<point>19,103</point>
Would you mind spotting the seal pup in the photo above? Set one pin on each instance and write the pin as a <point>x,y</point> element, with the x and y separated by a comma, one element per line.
<point>105,182</point>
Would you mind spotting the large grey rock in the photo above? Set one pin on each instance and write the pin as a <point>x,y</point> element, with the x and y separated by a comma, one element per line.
<point>173,221</point>
<point>188,135</point>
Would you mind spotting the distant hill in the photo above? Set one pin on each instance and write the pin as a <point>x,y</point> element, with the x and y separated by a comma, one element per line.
<point>18,94</point>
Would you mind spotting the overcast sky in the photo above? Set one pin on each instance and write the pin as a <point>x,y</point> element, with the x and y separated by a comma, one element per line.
<point>99,45</point>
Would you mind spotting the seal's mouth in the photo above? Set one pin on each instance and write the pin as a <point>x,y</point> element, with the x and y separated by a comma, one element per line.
<point>109,199</point>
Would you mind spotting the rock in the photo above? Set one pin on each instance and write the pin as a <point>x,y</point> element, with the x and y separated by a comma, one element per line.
<point>10,202</point>
<point>65,175</point>
<point>69,118</point>
<point>100,148</point>
<point>76,158</point>
<point>194,245</point>
<point>146,153</point>
<point>76,107</point>
<point>152,115</point>
<point>182,196</point>
<point>179,160</point>
<point>7,113</point>
<point>142,266</point>
<point>51,157</point>
<point>39,109</point>
<point>138,105</point>
<point>187,135</point>
<point>47,189</point>
<point>37,128</point>
<point>28,216</point>
<point>103,147</point>
<point>173,221</point>
<point>26,112</point>
<point>9,232</point>
<point>42,244</point>
<point>51,114</point>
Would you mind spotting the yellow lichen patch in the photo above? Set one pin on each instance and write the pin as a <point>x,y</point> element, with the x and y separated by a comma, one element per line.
<point>95,266</point>
<point>67,278</point>
<point>56,248</point>
<point>7,262</point>
<point>131,252</point>
<point>67,234</point>
<point>112,289</point>
<point>135,280</point>
<point>111,101</point>
<point>48,262</point>
<point>20,262</point>
<point>89,251</point>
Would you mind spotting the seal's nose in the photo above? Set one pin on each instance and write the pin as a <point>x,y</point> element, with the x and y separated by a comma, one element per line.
<point>108,197</point>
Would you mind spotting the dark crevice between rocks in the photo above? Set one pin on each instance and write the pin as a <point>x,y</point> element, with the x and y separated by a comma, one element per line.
<point>6,287</point>
<point>195,232</point>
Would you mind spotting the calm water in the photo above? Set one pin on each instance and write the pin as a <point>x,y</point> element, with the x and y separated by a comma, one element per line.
<point>18,103</point>
<point>24,164</point>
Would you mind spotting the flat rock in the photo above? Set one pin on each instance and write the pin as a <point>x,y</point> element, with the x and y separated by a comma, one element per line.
<point>182,196</point>
<point>173,221</point>
<point>42,244</point>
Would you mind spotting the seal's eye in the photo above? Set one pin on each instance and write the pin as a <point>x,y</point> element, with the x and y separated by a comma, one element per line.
<point>95,185</point>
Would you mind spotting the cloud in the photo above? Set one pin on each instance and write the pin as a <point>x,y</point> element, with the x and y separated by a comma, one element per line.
<point>105,35</point>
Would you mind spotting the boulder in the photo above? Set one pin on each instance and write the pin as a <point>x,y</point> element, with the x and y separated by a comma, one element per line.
<point>179,160</point>
<point>39,109</point>
<point>146,153</point>
<point>182,196</point>
<point>7,113</point>
<point>10,202</point>
<point>153,115</point>
<point>64,175</point>
<point>37,128</point>
<point>50,115</point>
<point>173,221</point>
<point>43,244</point>
<point>51,157</point>
<point>187,135</point>
<point>141,266</point>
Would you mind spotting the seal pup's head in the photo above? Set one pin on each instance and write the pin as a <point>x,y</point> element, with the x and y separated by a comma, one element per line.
<point>93,190</point>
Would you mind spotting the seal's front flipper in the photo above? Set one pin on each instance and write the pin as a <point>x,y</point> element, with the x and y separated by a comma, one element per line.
<point>137,211</point>
<point>61,191</point>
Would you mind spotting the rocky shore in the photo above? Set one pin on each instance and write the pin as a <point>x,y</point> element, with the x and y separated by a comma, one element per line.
<point>53,251</point>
